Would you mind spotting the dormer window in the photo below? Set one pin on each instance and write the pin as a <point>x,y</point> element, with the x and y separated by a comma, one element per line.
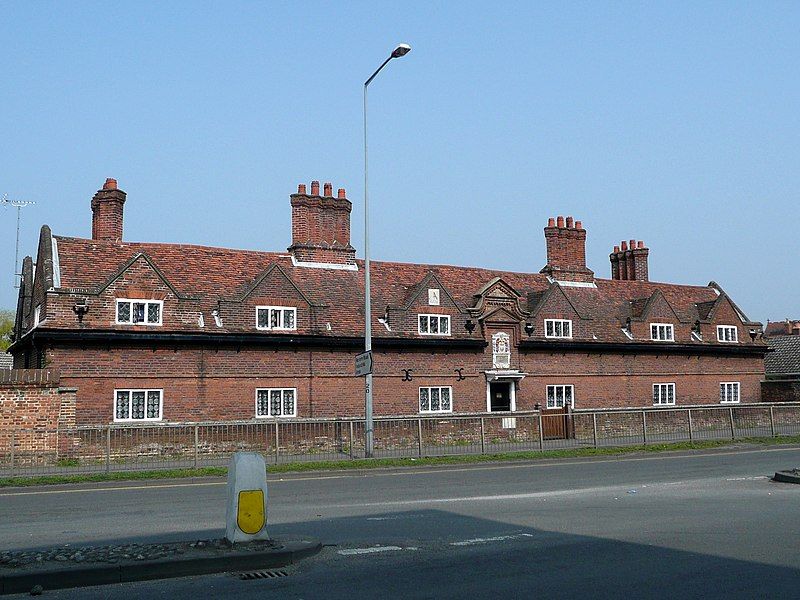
<point>139,312</point>
<point>662,332</point>
<point>557,328</point>
<point>434,324</point>
<point>276,317</point>
<point>727,333</point>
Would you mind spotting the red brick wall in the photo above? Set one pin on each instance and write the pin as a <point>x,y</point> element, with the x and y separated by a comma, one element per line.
<point>219,383</point>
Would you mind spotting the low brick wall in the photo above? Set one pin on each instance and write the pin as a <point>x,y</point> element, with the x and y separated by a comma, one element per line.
<point>33,408</point>
<point>777,390</point>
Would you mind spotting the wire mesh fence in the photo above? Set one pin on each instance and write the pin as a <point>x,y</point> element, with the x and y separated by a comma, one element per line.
<point>42,451</point>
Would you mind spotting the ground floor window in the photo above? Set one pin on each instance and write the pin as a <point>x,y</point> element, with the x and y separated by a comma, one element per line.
<point>560,395</point>
<point>137,405</point>
<point>729,392</point>
<point>663,393</point>
<point>435,399</point>
<point>276,402</point>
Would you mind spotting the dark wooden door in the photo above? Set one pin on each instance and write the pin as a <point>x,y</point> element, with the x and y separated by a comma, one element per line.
<point>557,424</point>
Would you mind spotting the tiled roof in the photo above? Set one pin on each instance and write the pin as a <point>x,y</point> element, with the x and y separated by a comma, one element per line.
<point>210,274</point>
<point>6,361</point>
<point>785,357</point>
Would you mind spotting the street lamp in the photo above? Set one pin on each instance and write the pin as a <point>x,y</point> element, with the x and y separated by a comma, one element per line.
<point>400,51</point>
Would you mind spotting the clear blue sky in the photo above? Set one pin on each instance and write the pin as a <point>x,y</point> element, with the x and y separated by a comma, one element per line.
<point>675,123</point>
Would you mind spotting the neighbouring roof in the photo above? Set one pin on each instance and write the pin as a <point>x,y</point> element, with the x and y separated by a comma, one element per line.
<point>209,274</point>
<point>785,356</point>
<point>6,361</point>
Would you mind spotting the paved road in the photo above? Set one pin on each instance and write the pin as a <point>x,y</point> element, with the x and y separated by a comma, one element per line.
<point>703,525</point>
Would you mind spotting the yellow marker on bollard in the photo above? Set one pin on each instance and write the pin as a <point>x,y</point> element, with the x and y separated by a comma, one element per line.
<point>247,498</point>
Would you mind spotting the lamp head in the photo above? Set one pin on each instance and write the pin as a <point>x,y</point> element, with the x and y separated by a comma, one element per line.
<point>401,50</point>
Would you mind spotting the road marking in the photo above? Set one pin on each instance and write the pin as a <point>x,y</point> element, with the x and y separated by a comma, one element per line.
<point>499,538</point>
<point>372,550</point>
<point>412,471</point>
<point>747,478</point>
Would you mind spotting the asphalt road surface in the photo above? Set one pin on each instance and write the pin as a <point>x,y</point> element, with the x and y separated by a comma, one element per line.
<point>702,525</point>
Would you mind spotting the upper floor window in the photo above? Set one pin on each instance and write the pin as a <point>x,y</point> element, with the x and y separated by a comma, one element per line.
<point>729,392</point>
<point>276,317</point>
<point>137,405</point>
<point>727,333</point>
<point>662,332</point>
<point>560,395</point>
<point>663,393</point>
<point>557,328</point>
<point>276,402</point>
<point>139,312</point>
<point>435,399</point>
<point>434,324</point>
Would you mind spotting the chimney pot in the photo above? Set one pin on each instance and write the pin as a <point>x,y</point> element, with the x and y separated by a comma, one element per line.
<point>328,190</point>
<point>315,188</point>
<point>301,188</point>
<point>560,222</point>
<point>616,249</point>
<point>342,195</point>
<point>640,244</point>
<point>578,225</point>
<point>623,246</point>
<point>633,244</point>
<point>570,223</point>
<point>110,184</point>
<point>551,222</point>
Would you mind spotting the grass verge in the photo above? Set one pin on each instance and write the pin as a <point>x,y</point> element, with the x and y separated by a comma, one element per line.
<point>377,463</point>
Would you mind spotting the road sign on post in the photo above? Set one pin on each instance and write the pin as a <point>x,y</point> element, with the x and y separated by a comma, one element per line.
<point>364,364</point>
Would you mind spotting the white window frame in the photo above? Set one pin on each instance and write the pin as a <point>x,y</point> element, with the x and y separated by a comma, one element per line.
<point>668,327</point>
<point>146,302</point>
<point>723,392</point>
<point>438,327</point>
<point>435,387</point>
<point>555,394</point>
<point>282,310</point>
<point>661,394</point>
<point>269,405</point>
<point>721,329</point>
<point>130,392</point>
<point>554,323</point>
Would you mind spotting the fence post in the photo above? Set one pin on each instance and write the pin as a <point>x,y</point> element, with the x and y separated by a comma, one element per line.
<point>772,421</point>
<point>733,431</point>
<point>594,429</point>
<point>108,449</point>
<point>351,440</point>
<point>541,433</point>
<point>13,444</point>
<point>196,445</point>
<point>644,427</point>
<point>483,437</point>
<point>277,442</point>
<point>691,429</point>
<point>419,437</point>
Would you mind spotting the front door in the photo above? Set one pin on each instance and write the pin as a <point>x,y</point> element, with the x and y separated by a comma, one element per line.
<point>500,396</point>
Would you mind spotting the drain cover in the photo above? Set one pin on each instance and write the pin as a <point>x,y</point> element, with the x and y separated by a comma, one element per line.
<point>262,575</point>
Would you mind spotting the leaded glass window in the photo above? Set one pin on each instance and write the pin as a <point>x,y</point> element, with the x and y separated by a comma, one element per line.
<point>729,392</point>
<point>123,312</point>
<point>435,399</point>
<point>663,393</point>
<point>727,333</point>
<point>560,395</point>
<point>276,317</point>
<point>434,324</point>
<point>276,402</point>
<point>662,332</point>
<point>153,313</point>
<point>137,405</point>
<point>139,312</point>
<point>558,328</point>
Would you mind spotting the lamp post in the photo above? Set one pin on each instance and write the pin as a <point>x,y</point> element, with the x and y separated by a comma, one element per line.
<point>400,51</point>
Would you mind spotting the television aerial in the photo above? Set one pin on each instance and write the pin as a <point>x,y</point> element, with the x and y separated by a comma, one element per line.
<point>19,205</point>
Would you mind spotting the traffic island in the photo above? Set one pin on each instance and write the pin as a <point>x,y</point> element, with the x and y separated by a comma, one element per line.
<point>790,476</point>
<point>65,566</point>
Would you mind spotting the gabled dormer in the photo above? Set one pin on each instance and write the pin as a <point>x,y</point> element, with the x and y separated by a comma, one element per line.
<point>554,316</point>
<point>428,309</point>
<point>654,319</point>
<point>722,321</point>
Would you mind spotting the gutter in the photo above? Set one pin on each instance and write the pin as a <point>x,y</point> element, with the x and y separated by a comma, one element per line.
<point>643,348</point>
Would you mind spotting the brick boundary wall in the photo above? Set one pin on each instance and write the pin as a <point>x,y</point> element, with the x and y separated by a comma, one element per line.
<point>33,408</point>
<point>780,390</point>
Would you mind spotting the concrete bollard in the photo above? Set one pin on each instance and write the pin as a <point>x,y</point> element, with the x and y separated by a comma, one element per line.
<point>247,498</point>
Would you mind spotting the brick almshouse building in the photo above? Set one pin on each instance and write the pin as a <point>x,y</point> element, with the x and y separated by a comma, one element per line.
<point>172,332</point>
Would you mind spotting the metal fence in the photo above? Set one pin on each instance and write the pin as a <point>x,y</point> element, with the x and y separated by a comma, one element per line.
<point>41,451</point>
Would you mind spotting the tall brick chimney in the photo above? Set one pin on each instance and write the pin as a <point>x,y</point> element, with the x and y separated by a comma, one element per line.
<point>566,251</point>
<point>107,207</point>
<point>630,263</point>
<point>321,226</point>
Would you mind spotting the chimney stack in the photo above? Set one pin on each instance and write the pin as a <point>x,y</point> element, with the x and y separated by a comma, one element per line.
<point>321,226</point>
<point>630,263</point>
<point>107,208</point>
<point>566,251</point>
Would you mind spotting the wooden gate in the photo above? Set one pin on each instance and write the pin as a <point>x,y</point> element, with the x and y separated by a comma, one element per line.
<point>557,424</point>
